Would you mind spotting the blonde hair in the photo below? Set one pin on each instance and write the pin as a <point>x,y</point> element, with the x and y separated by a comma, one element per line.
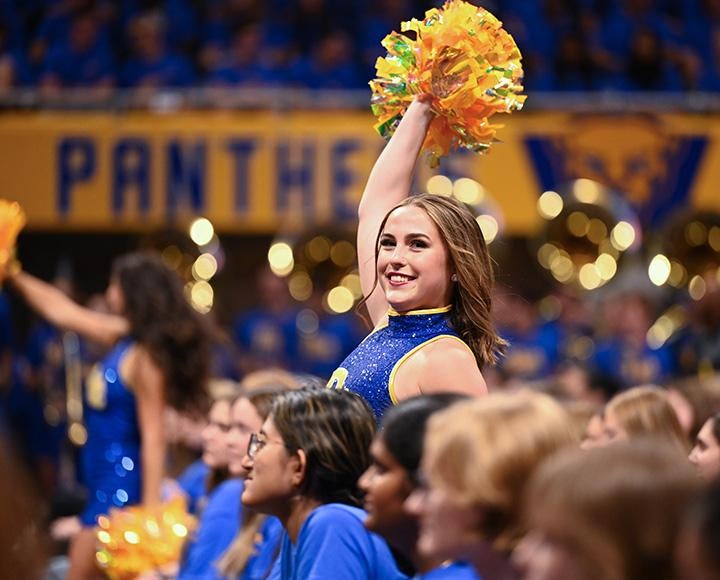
<point>483,451</point>
<point>618,507</point>
<point>471,263</point>
<point>646,411</point>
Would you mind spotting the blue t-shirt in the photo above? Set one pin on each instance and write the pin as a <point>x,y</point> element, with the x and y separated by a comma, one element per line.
<point>333,544</point>
<point>192,481</point>
<point>266,550</point>
<point>218,527</point>
<point>454,570</point>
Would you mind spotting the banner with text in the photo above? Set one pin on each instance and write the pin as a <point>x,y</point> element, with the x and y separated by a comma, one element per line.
<point>262,172</point>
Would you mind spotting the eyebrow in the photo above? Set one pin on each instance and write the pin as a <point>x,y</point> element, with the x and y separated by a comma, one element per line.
<point>410,235</point>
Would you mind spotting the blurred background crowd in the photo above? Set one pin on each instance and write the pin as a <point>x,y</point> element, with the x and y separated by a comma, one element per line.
<point>584,346</point>
<point>568,45</point>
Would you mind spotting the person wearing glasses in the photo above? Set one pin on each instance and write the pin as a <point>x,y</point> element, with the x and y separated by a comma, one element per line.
<point>427,281</point>
<point>392,477</point>
<point>303,468</point>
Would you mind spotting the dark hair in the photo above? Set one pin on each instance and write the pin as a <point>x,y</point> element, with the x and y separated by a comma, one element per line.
<point>335,429</point>
<point>162,320</point>
<point>716,426</point>
<point>403,427</point>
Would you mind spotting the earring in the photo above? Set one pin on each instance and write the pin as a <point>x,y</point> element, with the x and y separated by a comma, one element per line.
<point>453,278</point>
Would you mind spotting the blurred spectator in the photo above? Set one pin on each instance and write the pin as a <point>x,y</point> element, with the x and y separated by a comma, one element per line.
<point>331,65</point>
<point>533,350</point>
<point>153,64</point>
<point>705,455</point>
<point>643,412</point>
<point>83,61</point>
<point>696,552</point>
<point>14,69</point>
<point>266,335</point>
<point>244,63</point>
<point>626,355</point>
<point>606,514</point>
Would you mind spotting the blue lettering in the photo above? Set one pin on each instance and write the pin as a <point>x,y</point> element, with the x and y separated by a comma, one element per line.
<point>75,164</point>
<point>241,150</point>
<point>300,176</point>
<point>131,169</point>
<point>342,178</point>
<point>186,176</point>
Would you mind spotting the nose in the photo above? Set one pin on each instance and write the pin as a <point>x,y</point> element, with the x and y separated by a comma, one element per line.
<point>247,463</point>
<point>398,255</point>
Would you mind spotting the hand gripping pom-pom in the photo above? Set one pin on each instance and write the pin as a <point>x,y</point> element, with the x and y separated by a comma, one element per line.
<point>466,61</point>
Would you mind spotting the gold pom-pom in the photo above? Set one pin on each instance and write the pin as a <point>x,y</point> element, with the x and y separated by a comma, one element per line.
<point>470,65</point>
<point>135,540</point>
<point>12,220</point>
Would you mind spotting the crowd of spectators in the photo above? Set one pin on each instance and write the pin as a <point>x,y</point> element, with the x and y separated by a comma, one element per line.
<point>568,45</point>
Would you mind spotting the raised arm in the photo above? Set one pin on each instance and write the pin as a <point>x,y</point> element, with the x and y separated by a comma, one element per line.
<point>389,183</point>
<point>58,309</point>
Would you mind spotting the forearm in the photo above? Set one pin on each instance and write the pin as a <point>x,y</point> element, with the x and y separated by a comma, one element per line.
<point>47,300</point>
<point>391,177</point>
<point>153,458</point>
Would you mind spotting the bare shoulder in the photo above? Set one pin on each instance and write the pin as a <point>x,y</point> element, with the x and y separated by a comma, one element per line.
<point>138,368</point>
<point>448,364</point>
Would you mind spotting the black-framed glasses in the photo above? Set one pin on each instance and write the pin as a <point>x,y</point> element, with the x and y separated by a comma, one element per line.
<point>254,445</point>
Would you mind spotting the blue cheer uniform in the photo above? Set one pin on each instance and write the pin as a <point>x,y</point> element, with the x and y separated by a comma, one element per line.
<point>111,457</point>
<point>371,368</point>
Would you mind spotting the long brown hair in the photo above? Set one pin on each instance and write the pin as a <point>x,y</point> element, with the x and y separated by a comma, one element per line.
<point>471,263</point>
<point>162,320</point>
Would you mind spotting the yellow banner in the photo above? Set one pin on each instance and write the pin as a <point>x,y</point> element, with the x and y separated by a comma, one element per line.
<point>265,171</point>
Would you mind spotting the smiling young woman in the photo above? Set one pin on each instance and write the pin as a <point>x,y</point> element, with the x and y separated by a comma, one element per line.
<point>427,279</point>
<point>303,467</point>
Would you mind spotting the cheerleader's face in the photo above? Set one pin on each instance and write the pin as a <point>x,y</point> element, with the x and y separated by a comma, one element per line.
<point>413,262</point>
<point>245,422</point>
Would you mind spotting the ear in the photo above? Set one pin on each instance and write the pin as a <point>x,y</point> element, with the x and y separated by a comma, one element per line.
<point>299,467</point>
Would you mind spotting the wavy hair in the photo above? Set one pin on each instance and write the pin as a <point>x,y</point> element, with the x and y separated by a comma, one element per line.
<point>483,451</point>
<point>470,261</point>
<point>646,411</point>
<point>162,320</point>
<point>335,429</point>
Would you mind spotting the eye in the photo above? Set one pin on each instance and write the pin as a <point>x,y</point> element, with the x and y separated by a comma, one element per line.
<point>418,244</point>
<point>387,242</point>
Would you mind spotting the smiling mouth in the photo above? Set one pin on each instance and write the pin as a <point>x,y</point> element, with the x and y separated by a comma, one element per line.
<point>399,279</point>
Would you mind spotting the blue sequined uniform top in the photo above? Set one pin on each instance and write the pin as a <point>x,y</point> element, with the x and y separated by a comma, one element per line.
<point>111,456</point>
<point>370,369</point>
